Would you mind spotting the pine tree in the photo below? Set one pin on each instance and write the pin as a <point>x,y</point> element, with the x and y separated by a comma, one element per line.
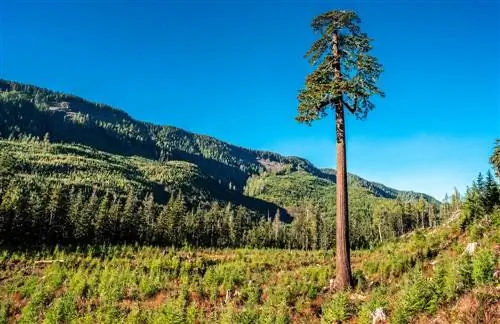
<point>11,210</point>
<point>147,218</point>
<point>128,221</point>
<point>78,217</point>
<point>421,210</point>
<point>115,211</point>
<point>101,224</point>
<point>163,234</point>
<point>492,193</point>
<point>345,77</point>
<point>88,215</point>
<point>481,187</point>
<point>276,225</point>
<point>456,200</point>
<point>495,158</point>
<point>55,213</point>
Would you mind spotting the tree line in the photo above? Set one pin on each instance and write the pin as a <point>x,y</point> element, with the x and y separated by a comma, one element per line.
<point>34,212</point>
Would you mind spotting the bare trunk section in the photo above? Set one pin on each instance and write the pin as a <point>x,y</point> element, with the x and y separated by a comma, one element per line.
<point>343,257</point>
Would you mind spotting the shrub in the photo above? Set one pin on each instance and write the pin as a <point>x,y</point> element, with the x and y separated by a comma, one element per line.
<point>337,309</point>
<point>4,312</point>
<point>31,312</point>
<point>458,277</point>
<point>475,232</point>
<point>377,300</point>
<point>63,310</point>
<point>438,286</point>
<point>414,299</point>
<point>312,291</point>
<point>483,267</point>
<point>250,293</point>
<point>247,316</point>
<point>359,279</point>
<point>465,272</point>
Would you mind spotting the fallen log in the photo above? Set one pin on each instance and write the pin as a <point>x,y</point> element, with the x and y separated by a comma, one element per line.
<point>48,261</point>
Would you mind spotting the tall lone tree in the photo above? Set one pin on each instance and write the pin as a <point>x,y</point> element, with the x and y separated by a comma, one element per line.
<point>345,76</point>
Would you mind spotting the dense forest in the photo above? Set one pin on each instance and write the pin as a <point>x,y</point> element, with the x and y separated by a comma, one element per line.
<point>77,172</point>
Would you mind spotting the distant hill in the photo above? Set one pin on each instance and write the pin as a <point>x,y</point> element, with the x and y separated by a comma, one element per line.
<point>112,139</point>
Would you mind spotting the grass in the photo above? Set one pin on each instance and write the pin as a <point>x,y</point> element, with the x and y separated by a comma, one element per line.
<point>418,277</point>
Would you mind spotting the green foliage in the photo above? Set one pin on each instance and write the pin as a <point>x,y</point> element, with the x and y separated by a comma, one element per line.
<point>62,310</point>
<point>495,157</point>
<point>4,312</point>
<point>483,267</point>
<point>345,73</point>
<point>337,309</point>
<point>377,300</point>
<point>459,277</point>
<point>414,298</point>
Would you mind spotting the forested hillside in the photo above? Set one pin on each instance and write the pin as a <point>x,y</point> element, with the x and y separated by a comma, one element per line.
<point>72,170</point>
<point>34,111</point>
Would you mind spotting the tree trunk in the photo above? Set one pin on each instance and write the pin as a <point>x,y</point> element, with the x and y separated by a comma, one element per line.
<point>343,257</point>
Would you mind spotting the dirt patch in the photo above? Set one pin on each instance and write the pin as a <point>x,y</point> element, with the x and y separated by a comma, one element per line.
<point>16,306</point>
<point>155,301</point>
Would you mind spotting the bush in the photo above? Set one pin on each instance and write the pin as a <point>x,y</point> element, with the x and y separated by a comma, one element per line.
<point>476,232</point>
<point>458,278</point>
<point>4,313</point>
<point>414,299</point>
<point>438,286</point>
<point>359,279</point>
<point>483,267</point>
<point>63,310</point>
<point>337,309</point>
<point>377,300</point>
<point>247,316</point>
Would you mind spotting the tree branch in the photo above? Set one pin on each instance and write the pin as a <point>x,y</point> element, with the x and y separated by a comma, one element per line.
<point>352,110</point>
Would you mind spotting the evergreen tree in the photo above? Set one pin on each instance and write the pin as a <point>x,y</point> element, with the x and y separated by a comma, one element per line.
<point>11,214</point>
<point>421,210</point>
<point>455,200</point>
<point>55,213</point>
<point>345,77</point>
<point>115,212</point>
<point>147,217</point>
<point>492,193</point>
<point>102,224</point>
<point>79,218</point>
<point>128,221</point>
<point>495,158</point>
<point>163,226</point>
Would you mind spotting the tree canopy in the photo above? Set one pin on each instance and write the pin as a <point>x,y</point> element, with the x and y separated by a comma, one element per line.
<point>359,71</point>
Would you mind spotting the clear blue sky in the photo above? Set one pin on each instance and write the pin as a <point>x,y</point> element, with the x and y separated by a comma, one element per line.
<point>232,69</point>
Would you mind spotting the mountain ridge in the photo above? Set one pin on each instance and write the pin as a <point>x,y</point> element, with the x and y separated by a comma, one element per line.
<point>68,118</point>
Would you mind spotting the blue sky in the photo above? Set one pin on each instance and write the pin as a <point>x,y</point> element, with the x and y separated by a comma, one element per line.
<point>232,69</point>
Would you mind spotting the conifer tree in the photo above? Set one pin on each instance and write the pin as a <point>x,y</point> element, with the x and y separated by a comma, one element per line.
<point>495,158</point>
<point>115,211</point>
<point>345,77</point>
<point>101,224</point>
<point>128,221</point>
<point>147,218</point>
<point>163,234</point>
<point>492,192</point>
<point>78,217</point>
<point>55,212</point>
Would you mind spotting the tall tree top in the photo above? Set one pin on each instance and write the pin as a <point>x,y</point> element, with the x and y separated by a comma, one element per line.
<point>345,74</point>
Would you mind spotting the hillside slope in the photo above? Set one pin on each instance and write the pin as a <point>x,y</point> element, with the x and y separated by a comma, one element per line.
<point>34,111</point>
